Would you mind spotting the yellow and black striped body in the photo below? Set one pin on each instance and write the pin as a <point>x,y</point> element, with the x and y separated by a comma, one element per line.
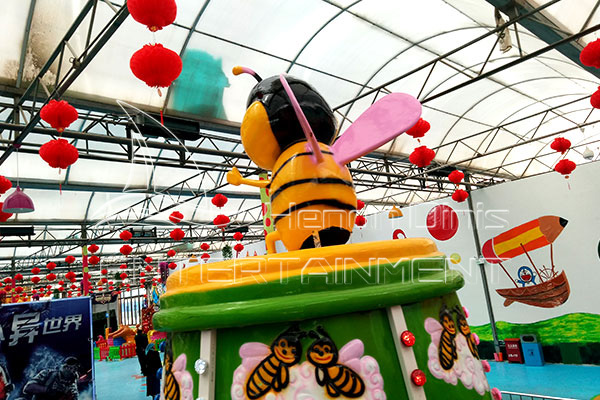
<point>171,386</point>
<point>340,380</point>
<point>308,198</point>
<point>472,345</point>
<point>269,374</point>
<point>447,350</point>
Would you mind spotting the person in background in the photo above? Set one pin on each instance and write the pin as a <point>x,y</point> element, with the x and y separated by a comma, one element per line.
<point>141,342</point>
<point>55,384</point>
<point>153,365</point>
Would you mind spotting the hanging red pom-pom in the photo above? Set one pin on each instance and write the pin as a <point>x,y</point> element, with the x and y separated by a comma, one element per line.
<point>561,145</point>
<point>125,235</point>
<point>595,99</point>
<point>4,216</point>
<point>59,114</point>
<point>35,280</point>
<point>104,271</point>
<point>155,14</point>
<point>123,266</point>
<point>460,195</point>
<point>71,276</point>
<point>142,273</point>
<point>61,282</point>
<point>171,253</point>
<point>456,177</point>
<point>565,167</point>
<point>419,129</point>
<point>176,217</point>
<point>18,277</point>
<point>221,221</point>
<point>422,156</point>
<point>236,236</point>
<point>5,184</point>
<point>206,246</point>
<point>35,270</point>
<point>148,260</point>
<point>238,247</point>
<point>50,277</point>
<point>177,234</point>
<point>59,153</point>
<point>94,260</point>
<point>219,200</point>
<point>360,204</point>
<point>148,268</point>
<point>126,250</point>
<point>156,65</point>
<point>172,265</point>
<point>104,280</point>
<point>123,275</point>
<point>360,220</point>
<point>7,280</point>
<point>19,289</point>
<point>69,259</point>
<point>590,55</point>
<point>205,256</point>
<point>92,248</point>
<point>51,265</point>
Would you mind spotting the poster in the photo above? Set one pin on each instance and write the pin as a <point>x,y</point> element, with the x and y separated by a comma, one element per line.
<point>46,350</point>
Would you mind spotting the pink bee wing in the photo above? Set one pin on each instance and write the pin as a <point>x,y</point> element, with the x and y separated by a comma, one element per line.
<point>389,117</point>
<point>434,328</point>
<point>354,349</point>
<point>180,363</point>
<point>253,353</point>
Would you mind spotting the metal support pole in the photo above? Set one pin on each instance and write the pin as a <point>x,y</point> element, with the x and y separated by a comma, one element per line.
<point>481,263</point>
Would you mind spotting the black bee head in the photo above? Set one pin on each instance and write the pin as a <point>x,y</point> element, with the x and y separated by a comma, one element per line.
<point>323,351</point>
<point>287,346</point>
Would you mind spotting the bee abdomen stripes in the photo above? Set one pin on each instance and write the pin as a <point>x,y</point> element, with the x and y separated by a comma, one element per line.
<point>286,162</point>
<point>326,202</point>
<point>334,181</point>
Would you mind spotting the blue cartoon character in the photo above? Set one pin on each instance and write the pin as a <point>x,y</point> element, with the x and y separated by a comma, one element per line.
<point>526,276</point>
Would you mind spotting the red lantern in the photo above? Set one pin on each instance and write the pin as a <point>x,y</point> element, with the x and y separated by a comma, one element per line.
<point>422,156</point>
<point>69,259</point>
<point>123,275</point>
<point>35,280</point>
<point>18,277</point>
<point>177,234</point>
<point>5,184</point>
<point>50,277</point>
<point>219,200</point>
<point>35,270</point>
<point>360,220</point>
<point>176,217</point>
<point>94,260</point>
<point>560,145</point>
<point>171,253</point>
<point>104,280</point>
<point>142,273</point>
<point>565,167</point>
<point>221,221</point>
<point>123,266</point>
<point>4,216</point>
<point>126,249</point>
<point>206,246</point>
<point>205,256</point>
<point>155,14</point>
<point>142,280</point>
<point>590,55</point>
<point>7,280</point>
<point>59,153</point>
<point>156,65</point>
<point>456,177</point>
<point>238,247</point>
<point>595,99</point>
<point>61,282</point>
<point>148,260</point>
<point>125,235</point>
<point>172,265</point>
<point>50,265</point>
<point>236,236</point>
<point>419,129</point>
<point>59,114</point>
<point>360,204</point>
<point>93,248</point>
<point>104,271</point>
<point>19,289</point>
<point>460,195</point>
<point>418,377</point>
<point>148,268</point>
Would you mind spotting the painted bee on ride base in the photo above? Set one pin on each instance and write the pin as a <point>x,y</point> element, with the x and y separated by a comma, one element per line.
<point>465,330</point>
<point>289,129</point>
<point>447,347</point>
<point>272,373</point>
<point>337,379</point>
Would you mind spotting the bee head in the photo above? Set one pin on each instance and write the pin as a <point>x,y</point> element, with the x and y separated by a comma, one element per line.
<point>446,320</point>
<point>287,346</point>
<point>323,351</point>
<point>461,321</point>
<point>270,124</point>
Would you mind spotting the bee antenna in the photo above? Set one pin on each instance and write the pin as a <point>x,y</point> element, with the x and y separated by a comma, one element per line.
<point>313,334</point>
<point>237,70</point>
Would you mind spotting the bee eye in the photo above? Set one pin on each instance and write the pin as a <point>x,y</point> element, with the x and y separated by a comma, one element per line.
<point>293,351</point>
<point>259,95</point>
<point>326,349</point>
<point>282,343</point>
